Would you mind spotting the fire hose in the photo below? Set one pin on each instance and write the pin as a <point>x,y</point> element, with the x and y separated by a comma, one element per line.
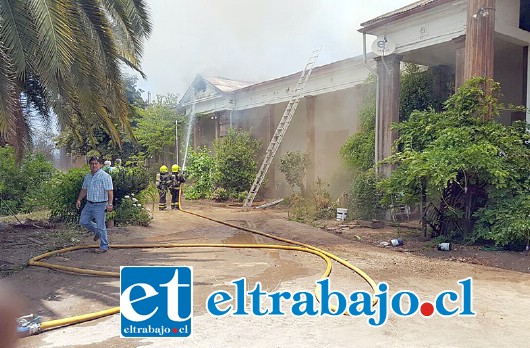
<point>30,325</point>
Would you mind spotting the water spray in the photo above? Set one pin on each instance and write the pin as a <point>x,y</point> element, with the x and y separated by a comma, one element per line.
<point>190,126</point>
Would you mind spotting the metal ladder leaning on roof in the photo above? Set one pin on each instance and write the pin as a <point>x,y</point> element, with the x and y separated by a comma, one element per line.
<point>282,128</point>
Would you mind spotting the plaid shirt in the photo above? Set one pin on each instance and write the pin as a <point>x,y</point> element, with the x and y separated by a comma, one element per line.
<point>97,186</point>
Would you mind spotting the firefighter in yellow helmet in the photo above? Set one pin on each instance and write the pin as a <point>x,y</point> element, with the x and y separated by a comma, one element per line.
<point>163,181</point>
<point>177,179</point>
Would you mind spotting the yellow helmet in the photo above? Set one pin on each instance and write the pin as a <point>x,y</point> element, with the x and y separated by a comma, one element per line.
<point>163,169</point>
<point>175,168</point>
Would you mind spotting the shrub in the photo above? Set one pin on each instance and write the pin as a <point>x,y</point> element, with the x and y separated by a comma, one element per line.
<point>365,197</point>
<point>220,194</point>
<point>235,160</point>
<point>199,174</point>
<point>131,212</point>
<point>299,209</point>
<point>149,195</point>
<point>241,196</point>
<point>505,220</point>
<point>293,165</point>
<point>129,180</point>
<point>66,188</point>
<point>316,204</point>
<point>23,188</point>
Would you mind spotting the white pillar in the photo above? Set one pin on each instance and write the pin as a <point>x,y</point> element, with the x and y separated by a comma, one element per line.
<point>528,85</point>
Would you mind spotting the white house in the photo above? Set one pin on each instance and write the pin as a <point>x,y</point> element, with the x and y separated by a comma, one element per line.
<point>464,38</point>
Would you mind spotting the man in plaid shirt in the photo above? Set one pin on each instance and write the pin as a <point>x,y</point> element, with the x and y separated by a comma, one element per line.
<point>97,188</point>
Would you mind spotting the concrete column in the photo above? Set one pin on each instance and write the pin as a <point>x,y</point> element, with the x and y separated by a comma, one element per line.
<point>310,139</point>
<point>479,38</point>
<point>388,74</point>
<point>527,81</point>
<point>271,182</point>
<point>460,45</point>
<point>217,124</point>
<point>196,132</point>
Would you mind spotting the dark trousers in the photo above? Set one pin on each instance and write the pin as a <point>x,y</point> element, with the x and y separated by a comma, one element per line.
<point>175,204</point>
<point>162,202</point>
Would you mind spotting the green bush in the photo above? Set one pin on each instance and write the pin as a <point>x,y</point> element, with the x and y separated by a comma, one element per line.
<point>129,180</point>
<point>299,209</point>
<point>24,187</point>
<point>241,196</point>
<point>230,171</point>
<point>315,205</point>
<point>199,174</point>
<point>149,195</point>
<point>505,220</point>
<point>235,161</point>
<point>220,194</point>
<point>479,166</point>
<point>131,212</point>
<point>365,197</point>
<point>293,165</point>
<point>65,188</point>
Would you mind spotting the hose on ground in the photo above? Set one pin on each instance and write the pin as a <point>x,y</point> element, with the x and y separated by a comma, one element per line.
<point>296,246</point>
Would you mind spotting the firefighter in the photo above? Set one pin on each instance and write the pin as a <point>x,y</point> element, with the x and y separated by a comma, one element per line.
<point>163,181</point>
<point>176,180</point>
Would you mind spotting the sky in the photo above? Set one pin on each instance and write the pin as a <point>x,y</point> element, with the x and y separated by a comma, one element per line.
<point>249,40</point>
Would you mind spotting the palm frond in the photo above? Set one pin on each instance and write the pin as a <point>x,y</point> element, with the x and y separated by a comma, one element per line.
<point>66,55</point>
<point>55,40</point>
<point>16,33</point>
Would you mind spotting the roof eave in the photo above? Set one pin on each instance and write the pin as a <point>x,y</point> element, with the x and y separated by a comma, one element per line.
<point>371,24</point>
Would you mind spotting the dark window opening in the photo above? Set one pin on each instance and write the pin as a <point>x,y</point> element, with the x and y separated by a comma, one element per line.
<point>524,15</point>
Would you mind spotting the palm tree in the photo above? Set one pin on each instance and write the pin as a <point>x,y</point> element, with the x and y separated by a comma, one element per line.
<point>65,56</point>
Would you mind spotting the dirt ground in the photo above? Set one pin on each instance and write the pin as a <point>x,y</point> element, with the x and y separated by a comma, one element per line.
<point>501,283</point>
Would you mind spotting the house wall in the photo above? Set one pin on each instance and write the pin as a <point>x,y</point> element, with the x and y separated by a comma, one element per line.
<point>204,130</point>
<point>509,65</point>
<point>438,25</point>
<point>329,78</point>
<point>336,118</point>
<point>507,22</point>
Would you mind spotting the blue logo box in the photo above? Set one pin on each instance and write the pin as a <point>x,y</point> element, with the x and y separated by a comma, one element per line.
<point>156,301</point>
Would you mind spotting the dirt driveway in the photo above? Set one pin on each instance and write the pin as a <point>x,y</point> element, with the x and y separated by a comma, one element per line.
<point>501,298</point>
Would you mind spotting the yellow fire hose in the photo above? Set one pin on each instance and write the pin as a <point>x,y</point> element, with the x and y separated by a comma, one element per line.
<point>326,256</point>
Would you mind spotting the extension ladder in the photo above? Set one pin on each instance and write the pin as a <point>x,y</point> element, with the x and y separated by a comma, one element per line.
<point>282,128</point>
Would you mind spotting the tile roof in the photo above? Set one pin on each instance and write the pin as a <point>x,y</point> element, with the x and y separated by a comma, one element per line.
<point>227,85</point>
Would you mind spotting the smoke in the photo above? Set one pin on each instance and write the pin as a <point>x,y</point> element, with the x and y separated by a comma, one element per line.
<point>249,40</point>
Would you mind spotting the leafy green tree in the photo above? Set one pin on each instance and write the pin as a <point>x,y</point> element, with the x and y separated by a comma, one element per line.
<point>476,167</point>
<point>235,161</point>
<point>293,165</point>
<point>156,125</point>
<point>417,92</point>
<point>66,55</point>
<point>133,93</point>
<point>96,139</point>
